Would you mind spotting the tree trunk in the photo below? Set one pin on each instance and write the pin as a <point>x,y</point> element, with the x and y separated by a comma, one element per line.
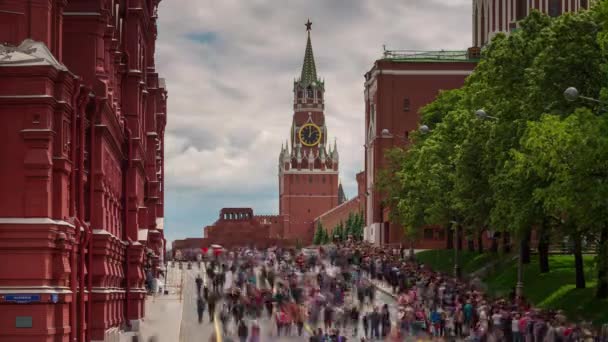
<point>459,237</point>
<point>494,246</point>
<point>471,244</point>
<point>578,262</point>
<point>602,266</point>
<point>526,248</point>
<point>543,247</point>
<point>506,242</point>
<point>480,241</point>
<point>450,237</point>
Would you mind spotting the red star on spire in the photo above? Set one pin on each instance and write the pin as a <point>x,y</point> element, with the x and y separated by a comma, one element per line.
<point>308,25</point>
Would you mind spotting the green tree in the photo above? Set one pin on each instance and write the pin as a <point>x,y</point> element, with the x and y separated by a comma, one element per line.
<point>504,175</point>
<point>325,237</point>
<point>572,154</point>
<point>318,238</point>
<point>349,226</point>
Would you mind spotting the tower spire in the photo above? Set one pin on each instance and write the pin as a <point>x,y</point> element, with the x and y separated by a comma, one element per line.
<point>309,70</point>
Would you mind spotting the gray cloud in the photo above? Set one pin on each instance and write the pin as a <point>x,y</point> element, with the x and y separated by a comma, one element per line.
<point>230,67</point>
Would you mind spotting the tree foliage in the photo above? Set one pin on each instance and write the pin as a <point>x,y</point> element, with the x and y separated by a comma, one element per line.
<point>541,165</point>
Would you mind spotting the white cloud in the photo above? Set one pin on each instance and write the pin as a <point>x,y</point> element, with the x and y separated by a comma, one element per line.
<point>230,91</point>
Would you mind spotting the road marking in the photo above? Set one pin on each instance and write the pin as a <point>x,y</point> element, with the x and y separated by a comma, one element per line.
<point>218,332</point>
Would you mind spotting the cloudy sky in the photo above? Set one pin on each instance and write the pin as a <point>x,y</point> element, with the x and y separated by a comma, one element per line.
<point>230,66</point>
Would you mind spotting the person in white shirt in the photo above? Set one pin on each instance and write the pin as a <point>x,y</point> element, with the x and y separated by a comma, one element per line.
<point>515,328</point>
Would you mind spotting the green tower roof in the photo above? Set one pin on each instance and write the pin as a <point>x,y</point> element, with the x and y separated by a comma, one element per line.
<point>309,70</point>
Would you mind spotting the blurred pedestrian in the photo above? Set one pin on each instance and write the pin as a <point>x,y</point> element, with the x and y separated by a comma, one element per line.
<point>200,308</point>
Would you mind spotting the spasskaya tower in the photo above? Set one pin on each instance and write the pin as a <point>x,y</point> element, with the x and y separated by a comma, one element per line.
<point>308,164</point>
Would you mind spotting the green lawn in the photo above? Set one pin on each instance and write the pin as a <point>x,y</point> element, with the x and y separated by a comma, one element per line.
<point>553,290</point>
<point>556,289</point>
<point>443,260</point>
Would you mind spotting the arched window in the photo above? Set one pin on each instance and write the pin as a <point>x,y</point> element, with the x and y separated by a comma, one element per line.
<point>319,95</point>
<point>309,92</point>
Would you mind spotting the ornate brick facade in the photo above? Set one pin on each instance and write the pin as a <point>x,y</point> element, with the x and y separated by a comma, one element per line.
<point>396,87</point>
<point>82,113</point>
<point>332,218</point>
<point>493,16</point>
<point>308,166</point>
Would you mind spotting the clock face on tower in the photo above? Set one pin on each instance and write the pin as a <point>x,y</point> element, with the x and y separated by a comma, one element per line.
<point>310,134</point>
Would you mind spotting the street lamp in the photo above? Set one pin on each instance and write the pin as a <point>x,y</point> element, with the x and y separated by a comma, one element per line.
<point>456,261</point>
<point>385,133</point>
<point>484,116</point>
<point>519,287</point>
<point>571,94</point>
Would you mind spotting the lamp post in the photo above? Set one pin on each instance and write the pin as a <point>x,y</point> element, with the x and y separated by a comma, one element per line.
<point>457,272</point>
<point>572,94</point>
<point>484,116</point>
<point>424,129</point>
<point>519,287</point>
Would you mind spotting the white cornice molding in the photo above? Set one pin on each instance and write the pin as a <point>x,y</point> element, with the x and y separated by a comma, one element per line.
<point>35,289</point>
<point>34,220</point>
<point>309,172</point>
<point>433,72</point>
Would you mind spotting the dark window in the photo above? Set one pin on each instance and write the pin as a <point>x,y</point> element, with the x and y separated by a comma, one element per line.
<point>300,94</point>
<point>309,93</point>
<point>555,8</point>
<point>584,4</point>
<point>441,234</point>
<point>522,6</point>
<point>428,233</point>
<point>406,104</point>
<point>320,94</point>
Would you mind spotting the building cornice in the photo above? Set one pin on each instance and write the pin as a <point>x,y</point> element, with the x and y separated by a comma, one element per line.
<point>430,72</point>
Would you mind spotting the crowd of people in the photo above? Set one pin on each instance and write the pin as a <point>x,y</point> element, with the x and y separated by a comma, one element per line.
<point>329,294</point>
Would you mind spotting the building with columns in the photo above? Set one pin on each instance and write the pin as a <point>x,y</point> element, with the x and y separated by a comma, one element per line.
<point>82,117</point>
<point>493,16</point>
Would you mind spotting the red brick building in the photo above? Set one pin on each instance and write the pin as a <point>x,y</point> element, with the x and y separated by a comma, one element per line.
<point>308,166</point>
<point>396,87</point>
<point>82,117</point>
<point>402,82</point>
<point>332,218</point>
<point>308,175</point>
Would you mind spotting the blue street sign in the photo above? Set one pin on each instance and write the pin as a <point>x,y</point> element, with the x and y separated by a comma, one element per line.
<point>54,298</point>
<point>22,298</point>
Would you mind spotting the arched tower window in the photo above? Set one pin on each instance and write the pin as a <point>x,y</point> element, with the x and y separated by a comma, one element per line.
<point>555,8</point>
<point>309,92</point>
